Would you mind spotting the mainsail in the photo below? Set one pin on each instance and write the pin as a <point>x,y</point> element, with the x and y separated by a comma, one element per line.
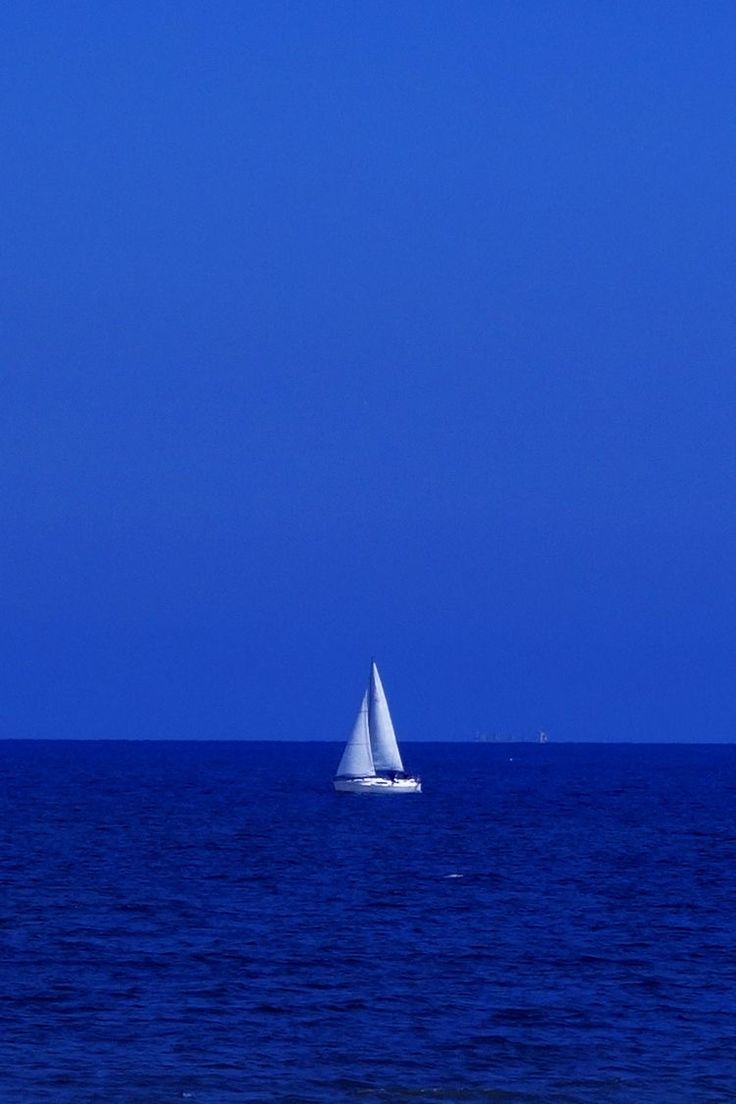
<point>383,744</point>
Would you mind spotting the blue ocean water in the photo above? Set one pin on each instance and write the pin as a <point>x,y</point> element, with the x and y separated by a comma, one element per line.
<point>211,922</point>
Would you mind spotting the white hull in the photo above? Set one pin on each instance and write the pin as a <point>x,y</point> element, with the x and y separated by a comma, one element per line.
<point>376,785</point>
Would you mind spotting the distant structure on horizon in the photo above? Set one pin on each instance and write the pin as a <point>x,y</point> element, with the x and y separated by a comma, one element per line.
<point>502,738</point>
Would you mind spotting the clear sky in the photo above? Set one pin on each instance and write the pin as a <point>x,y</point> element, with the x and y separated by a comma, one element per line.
<point>342,329</point>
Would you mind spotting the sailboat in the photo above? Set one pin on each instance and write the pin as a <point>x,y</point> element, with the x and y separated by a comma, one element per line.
<point>371,762</point>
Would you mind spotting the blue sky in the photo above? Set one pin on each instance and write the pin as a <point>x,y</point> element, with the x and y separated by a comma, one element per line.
<point>338,330</point>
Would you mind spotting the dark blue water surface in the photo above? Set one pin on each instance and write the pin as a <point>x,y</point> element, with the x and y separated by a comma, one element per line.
<point>211,922</point>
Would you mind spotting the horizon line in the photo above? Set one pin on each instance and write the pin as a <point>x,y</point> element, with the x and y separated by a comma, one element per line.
<point>724,742</point>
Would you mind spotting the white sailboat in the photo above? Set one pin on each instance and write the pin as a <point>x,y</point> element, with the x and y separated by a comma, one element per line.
<point>371,762</point>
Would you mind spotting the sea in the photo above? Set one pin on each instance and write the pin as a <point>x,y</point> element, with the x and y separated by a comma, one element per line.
<point>211,922</point>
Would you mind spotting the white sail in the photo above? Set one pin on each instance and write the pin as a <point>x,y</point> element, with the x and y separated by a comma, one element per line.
<point>383,744</point>
<point>357,760</point>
